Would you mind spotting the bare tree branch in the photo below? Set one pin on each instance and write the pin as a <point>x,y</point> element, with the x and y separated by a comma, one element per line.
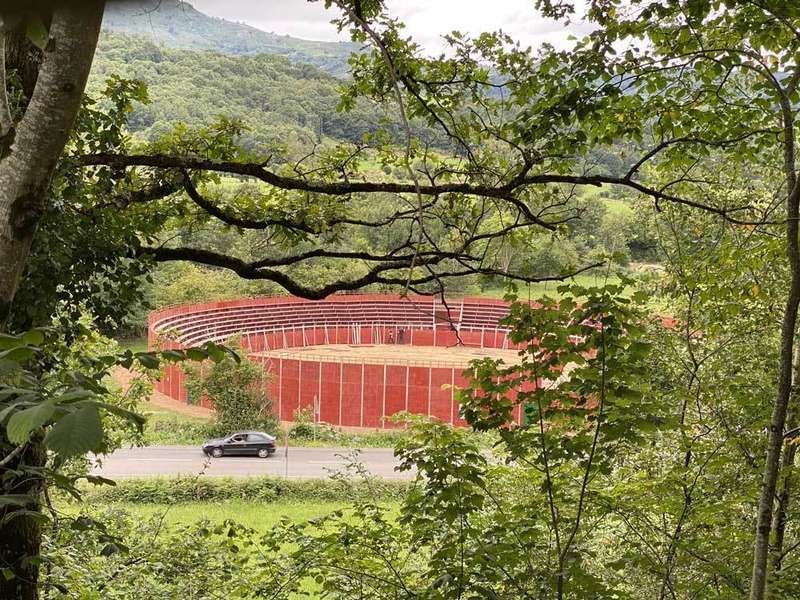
<point>504,192</point>
<point>378,274</point>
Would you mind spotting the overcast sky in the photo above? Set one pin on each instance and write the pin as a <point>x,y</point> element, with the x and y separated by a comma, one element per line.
<point>426,20</point>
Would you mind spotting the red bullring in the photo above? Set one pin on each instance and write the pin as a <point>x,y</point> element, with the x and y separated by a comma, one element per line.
<point>354,359</point>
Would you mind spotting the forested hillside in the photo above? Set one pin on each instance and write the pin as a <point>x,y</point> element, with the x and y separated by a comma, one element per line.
<point>177,24</point>
<point>281,103</point>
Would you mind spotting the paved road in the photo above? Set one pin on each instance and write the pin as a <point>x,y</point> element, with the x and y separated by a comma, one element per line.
<point>303,463</point>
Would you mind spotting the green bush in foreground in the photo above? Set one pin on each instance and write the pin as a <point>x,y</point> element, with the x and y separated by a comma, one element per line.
<point>305,432</point>
<point>236,390</point>
<point>165,429</point>
<point>265,489</point>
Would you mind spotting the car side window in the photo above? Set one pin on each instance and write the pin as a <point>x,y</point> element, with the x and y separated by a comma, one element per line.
<point>237,438</point>
<point>255,438</point>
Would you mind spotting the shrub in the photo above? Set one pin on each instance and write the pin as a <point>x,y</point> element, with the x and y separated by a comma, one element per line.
<point>236,391</point>
<point>162,430</point>
<point>170,490</point>
<point>304,428</point>
<point>109,554</point>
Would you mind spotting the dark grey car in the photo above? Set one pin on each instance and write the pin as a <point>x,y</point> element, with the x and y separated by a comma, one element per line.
<point>241,443</point>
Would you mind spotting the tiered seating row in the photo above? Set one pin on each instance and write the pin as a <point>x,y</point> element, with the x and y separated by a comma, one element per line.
<point>191,325</point>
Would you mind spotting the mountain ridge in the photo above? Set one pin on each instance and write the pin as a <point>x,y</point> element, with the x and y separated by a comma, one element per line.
<point>177,24</point>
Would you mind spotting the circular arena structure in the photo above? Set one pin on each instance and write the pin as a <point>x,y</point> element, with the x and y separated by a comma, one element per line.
<point>351,359</point>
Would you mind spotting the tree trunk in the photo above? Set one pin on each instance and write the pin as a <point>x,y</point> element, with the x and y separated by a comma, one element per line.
<point>40,137</point>
<point>779,519</point>
<point>26,168</point>
<point>20,536</point>
<point>788,330</point>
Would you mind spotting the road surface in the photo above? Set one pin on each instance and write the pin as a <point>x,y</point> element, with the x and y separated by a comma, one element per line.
<point>302,463</point>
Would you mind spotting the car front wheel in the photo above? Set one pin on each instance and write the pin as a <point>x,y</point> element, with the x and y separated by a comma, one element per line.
<point>216,452</point>
<point>263,453</point>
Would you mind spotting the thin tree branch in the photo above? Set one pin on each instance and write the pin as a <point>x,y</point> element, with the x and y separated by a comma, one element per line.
<point>502,192</point>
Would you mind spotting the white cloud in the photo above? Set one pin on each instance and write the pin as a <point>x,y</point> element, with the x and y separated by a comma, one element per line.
<point>426,20</point>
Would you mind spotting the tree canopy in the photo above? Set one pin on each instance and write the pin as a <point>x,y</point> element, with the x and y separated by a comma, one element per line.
<point>657,457</point>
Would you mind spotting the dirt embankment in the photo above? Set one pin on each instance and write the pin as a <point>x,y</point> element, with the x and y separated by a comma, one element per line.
<point>123,377</point>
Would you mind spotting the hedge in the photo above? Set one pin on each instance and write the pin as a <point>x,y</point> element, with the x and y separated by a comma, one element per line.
<point>169,490</point>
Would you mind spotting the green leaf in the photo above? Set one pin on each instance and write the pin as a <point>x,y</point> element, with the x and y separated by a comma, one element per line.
<point>215,352</point>
<point>23,422</point>
<point>148,360</point>
<point>9,341</point>
<point>37,32</point>
<point>75,395</point>
<point>34,515</point>
<point>137,419</point>
<point>172,355</point>
<point>18,354</point>
<point>16,499</point>
<point>196,354</point>
<point>76,433</point>
<point>34,337</point>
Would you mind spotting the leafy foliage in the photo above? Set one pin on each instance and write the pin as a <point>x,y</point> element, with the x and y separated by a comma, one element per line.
<point>50,400</point>
<point>236,390</point>
<point>171,490</point>
<point>288,108</point>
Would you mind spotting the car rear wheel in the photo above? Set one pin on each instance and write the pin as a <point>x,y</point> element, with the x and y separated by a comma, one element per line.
<point>263,453</point>
<point>216,452</point>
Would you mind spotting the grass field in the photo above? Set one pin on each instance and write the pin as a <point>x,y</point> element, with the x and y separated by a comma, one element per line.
<point>133,344</point>
<point>166,427</point>
<point>550,288</point>
<point>257,515</point>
